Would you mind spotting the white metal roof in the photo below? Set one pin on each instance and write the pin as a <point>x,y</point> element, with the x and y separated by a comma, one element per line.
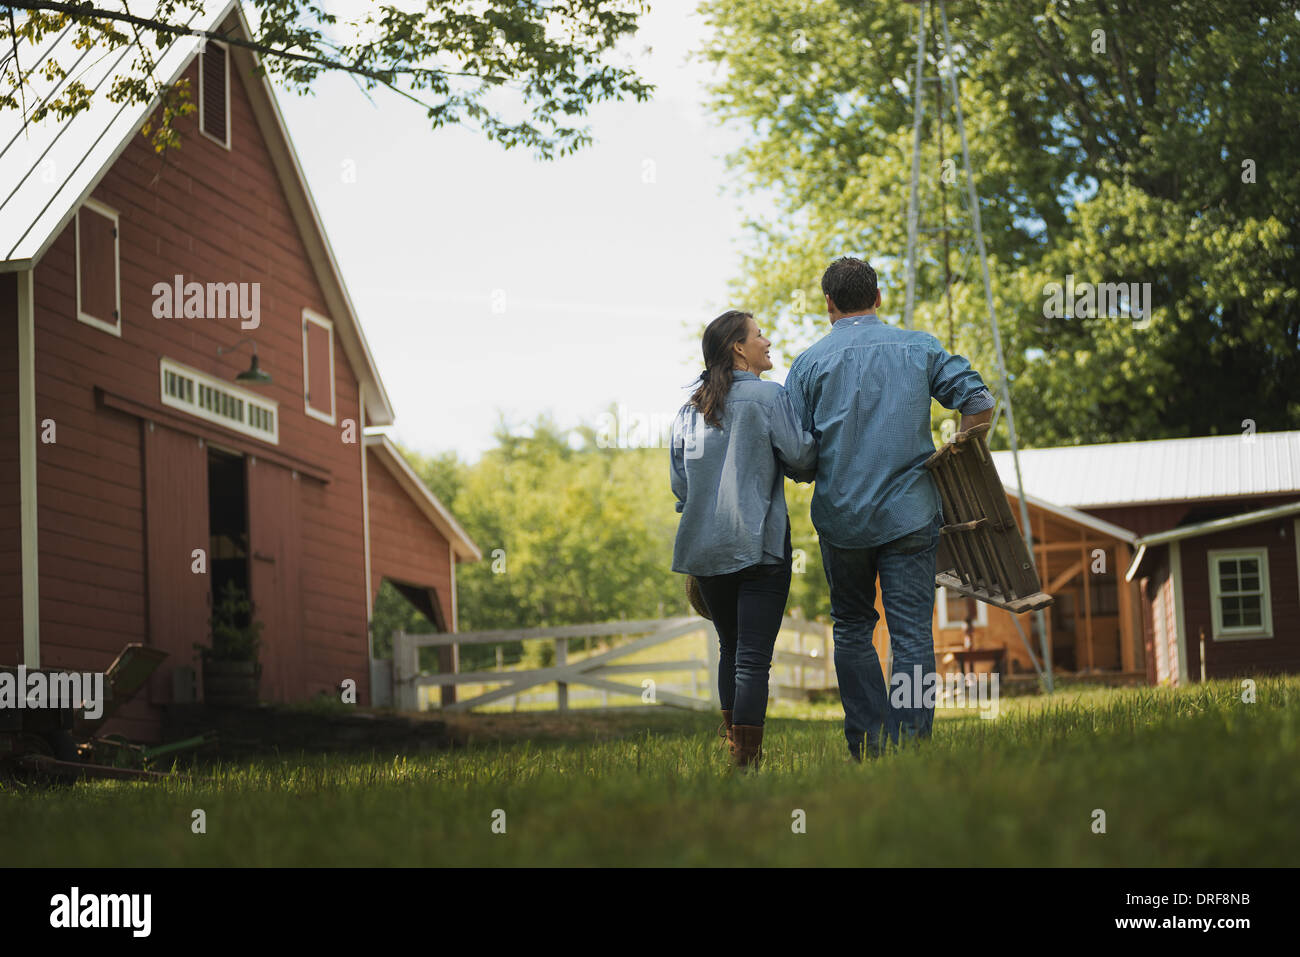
<point>1163,470</point>
<point>47,168</point>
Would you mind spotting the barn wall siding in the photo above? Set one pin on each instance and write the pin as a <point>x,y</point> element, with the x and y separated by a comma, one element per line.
<point>212,215</point>
<point>403,544</point>
<point>1149,519</point>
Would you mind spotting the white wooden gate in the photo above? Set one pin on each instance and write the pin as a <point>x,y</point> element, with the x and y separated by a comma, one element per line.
<point>598,670</point>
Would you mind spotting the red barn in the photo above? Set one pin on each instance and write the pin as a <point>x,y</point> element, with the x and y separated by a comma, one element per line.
<point>142,463</point>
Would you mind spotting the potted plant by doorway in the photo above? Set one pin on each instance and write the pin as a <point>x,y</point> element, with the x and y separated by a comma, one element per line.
<point>231,671</point>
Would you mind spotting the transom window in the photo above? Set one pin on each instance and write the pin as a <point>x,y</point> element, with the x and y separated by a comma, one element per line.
<point>1239,593</point>
<point>208,398</point>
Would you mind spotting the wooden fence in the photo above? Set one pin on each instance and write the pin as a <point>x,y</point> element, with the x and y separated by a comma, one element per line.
<point>803,650</point>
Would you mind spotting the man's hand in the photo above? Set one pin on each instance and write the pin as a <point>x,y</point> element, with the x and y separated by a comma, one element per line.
<point>977,418</point>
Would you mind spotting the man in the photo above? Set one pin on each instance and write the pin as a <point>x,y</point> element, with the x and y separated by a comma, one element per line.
<point>864,391</point>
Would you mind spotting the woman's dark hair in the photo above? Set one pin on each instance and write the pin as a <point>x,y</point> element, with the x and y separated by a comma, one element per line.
<point>719,359</point>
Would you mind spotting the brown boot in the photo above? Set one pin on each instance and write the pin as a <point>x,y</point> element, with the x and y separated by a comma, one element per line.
<point>724,729</point>
<point>748,747</point>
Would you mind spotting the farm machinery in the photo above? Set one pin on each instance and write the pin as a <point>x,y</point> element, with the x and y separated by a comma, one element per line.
<point>58,740</point>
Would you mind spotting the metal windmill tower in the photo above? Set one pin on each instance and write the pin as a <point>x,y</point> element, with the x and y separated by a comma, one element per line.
<point>947,78</point>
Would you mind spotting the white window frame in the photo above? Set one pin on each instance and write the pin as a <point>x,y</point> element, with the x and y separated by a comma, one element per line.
<point>110,213</point>
<point>251,399</point>
<point>328,325</point>
<point>981,612</point>
<point>1218,630</point>
<point>202,53</point>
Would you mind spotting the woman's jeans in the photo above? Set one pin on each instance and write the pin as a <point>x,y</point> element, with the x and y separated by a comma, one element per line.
<point>906,570</point>
<point>747,607</point>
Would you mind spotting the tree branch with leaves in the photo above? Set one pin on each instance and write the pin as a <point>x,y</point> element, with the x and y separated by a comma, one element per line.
<point>455,59</point>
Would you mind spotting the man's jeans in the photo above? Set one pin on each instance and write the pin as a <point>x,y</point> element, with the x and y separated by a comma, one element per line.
<point>906,569</point>
<point>747,607</point>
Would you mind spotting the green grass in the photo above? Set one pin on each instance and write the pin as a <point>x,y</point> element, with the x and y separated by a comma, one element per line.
<point>1192,777</point>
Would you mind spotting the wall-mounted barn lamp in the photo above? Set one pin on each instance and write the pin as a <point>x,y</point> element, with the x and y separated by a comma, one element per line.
<point>253,373</point>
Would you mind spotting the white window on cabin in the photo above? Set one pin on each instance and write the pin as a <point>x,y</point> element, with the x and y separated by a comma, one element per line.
<point>1239,595</point>
<point>953,609</point>
<point>318,366</point>
<point>214,92</point>
<point>99,280</point>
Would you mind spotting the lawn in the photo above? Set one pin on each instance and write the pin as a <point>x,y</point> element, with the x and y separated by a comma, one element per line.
<point>1190,777</point>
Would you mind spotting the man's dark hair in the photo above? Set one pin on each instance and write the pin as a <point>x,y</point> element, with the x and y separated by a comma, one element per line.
<point>851,284</point>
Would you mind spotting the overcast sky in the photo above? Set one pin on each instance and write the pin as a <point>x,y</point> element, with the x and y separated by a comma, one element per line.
<point>595,272</point>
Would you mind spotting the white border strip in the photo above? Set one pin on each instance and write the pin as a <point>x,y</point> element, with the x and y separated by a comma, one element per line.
<point>328,325</point>
<point>365,520</point>
<point>27,468</point>
<point>1180,617</point>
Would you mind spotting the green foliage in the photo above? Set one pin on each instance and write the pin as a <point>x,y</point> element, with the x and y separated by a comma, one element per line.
<point>568,535</point>
<point>451,59</point>
<point>235,635</point>
<point>571,535</point>
<point>810,596</point>
<point>1115,161</point>
<point>391,612</point>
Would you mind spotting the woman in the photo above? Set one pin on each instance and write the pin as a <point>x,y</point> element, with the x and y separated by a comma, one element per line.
<point>732,444</point>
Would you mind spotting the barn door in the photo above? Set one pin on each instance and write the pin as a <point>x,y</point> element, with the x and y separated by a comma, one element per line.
<point>176,523</point>
<point>274,520</point>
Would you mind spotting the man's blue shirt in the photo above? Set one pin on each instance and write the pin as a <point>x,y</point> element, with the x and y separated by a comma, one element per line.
<point>864,392</point>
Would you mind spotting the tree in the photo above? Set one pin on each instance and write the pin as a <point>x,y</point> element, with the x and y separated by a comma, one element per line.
<point>570,531</point>
<point>1112,140</point>
<point>448,56</point>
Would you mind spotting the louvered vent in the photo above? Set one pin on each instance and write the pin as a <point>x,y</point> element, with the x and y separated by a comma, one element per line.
<point>215,98</point>
<point>199,395</point>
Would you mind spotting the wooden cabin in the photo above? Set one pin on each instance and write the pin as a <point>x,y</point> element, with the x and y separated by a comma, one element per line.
<point>1169,560</point>
<point>144,460</point>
